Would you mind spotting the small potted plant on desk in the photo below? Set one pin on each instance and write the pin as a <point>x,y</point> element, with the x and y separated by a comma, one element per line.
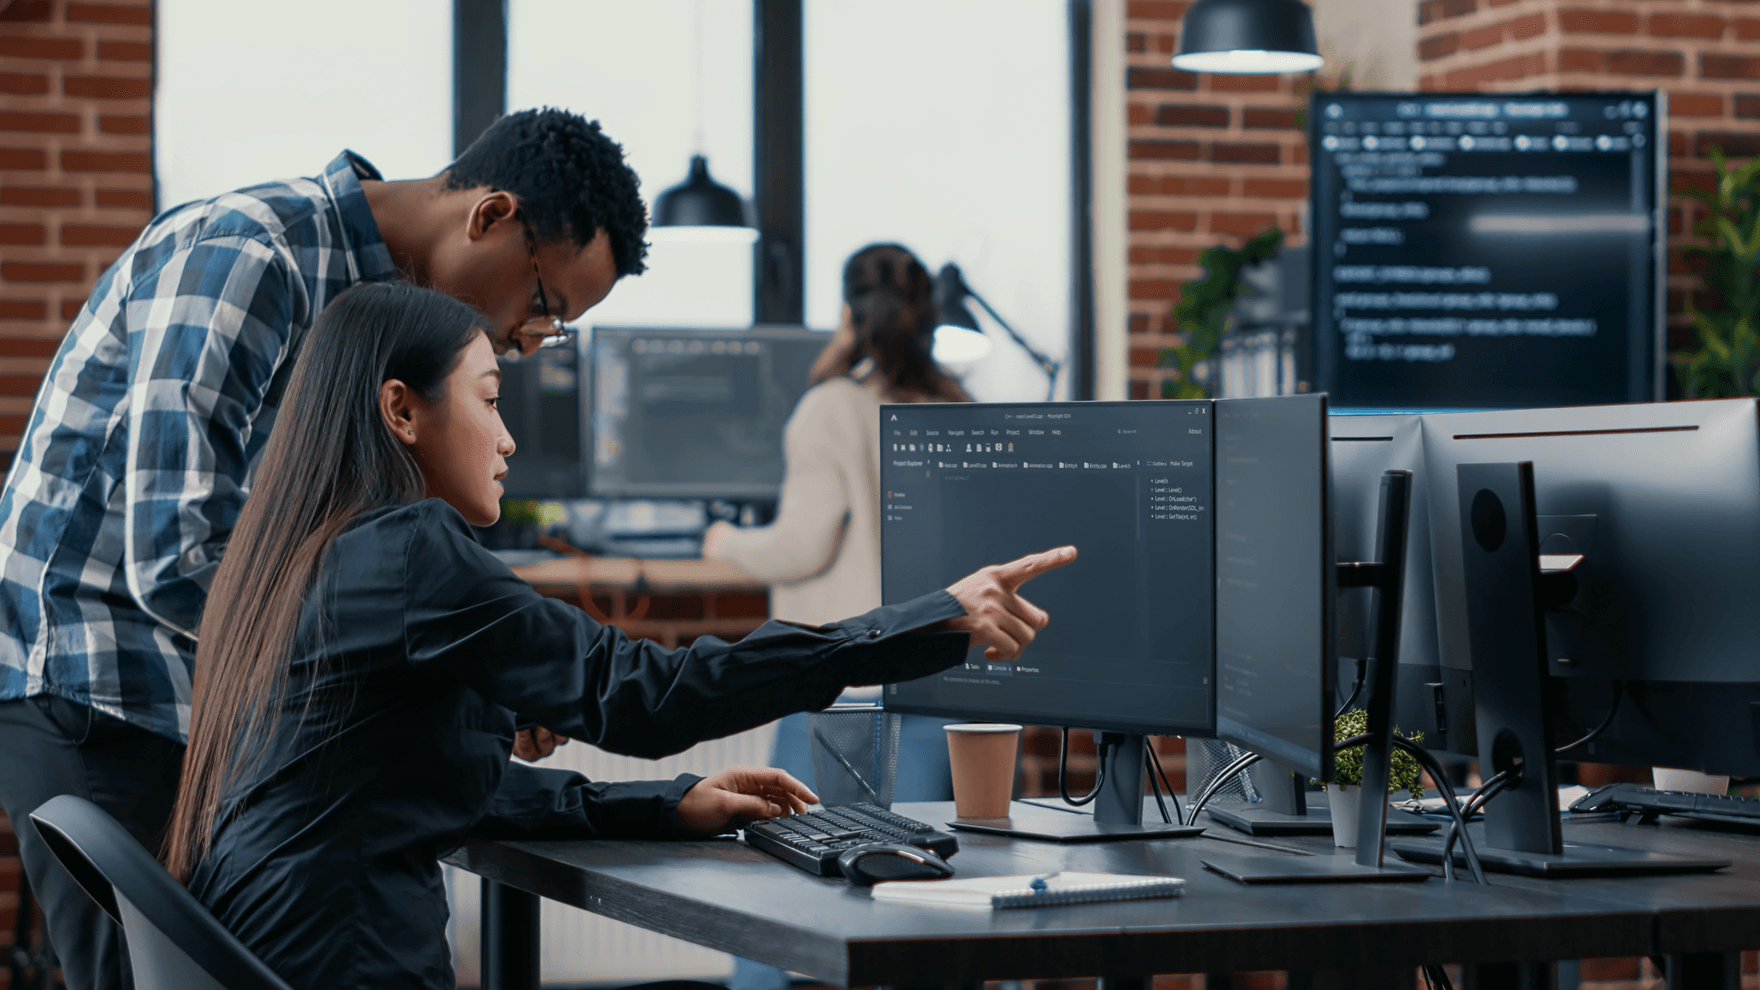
<point>1347,775</point>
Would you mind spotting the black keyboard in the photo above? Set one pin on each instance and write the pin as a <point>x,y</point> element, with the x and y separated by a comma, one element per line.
<point>1649,803</point>
<point>813,841</point>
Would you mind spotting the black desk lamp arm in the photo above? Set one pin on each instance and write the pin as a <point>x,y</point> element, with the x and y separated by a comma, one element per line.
<point>1050,367</point>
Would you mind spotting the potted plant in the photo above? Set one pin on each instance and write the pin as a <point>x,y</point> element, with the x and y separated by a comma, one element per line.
<point>1347,775</point>
<point>1726,312</point>
<point>1205,312</point>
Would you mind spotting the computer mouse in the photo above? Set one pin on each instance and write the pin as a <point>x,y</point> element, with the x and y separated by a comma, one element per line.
<point>873,862</point>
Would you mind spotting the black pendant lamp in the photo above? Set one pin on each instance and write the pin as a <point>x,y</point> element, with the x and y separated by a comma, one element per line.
<point>699,201</point>
<point>1248,36</point>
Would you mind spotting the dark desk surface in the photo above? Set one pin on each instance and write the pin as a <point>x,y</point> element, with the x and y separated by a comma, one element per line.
<point>721,894</point>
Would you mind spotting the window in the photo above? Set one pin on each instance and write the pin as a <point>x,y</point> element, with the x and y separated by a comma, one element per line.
<point>245,99</point>
<point>945,127</point>
<point>666,79</point>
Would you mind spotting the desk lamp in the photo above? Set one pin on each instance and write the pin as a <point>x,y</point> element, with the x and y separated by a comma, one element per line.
<point>1248,36</point>
<point>959,339</point>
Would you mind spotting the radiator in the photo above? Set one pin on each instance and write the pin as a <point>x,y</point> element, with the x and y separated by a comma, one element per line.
<point>579,947</point>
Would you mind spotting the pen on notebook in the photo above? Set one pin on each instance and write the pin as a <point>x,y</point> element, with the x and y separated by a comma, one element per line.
<point>1039,885</point>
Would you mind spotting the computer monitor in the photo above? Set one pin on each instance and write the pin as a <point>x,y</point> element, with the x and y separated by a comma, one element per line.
<point>1278,579</point>
<point>1663,502</point>
<point>1275,677</point>
<point>1129,645</point>
<point>1601,547</point>
<point>694,413</point>
<point>541,407</point>
<point>1362,450</point>
<point>1433,699</point>
<point>1479,251</point>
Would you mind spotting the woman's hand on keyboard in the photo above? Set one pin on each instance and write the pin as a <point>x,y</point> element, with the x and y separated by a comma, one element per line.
<point>738,795</point>
<point>997,617</point>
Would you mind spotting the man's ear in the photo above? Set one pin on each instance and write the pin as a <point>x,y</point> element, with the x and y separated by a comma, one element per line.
<point>491,209</point>
<point>397,407</point>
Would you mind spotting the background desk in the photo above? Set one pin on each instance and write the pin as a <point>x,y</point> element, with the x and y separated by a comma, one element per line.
<point>668,601</point>
<point>722,894</point>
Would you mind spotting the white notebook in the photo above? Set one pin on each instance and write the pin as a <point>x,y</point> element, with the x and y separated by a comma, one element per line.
<point>991,893</point>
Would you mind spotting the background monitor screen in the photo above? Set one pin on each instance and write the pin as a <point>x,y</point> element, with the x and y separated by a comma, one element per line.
<point>1274,581</point>
<point>1128,484</point>
<point>694,413</point>
<point>1482,251</point>
<point>541,407</point>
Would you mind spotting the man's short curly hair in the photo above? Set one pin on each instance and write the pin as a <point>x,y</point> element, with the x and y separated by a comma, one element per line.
<point>570,178</point>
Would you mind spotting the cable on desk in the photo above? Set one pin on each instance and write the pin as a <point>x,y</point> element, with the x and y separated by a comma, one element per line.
<point>1431,766</point>
<point>1156,760</point>
<point>1436,978</point>
<point>1100,752</point>
<point>1228,773</point>
<point>1154,785</point>
<point>1502,781</point>
<point>1619,692</point>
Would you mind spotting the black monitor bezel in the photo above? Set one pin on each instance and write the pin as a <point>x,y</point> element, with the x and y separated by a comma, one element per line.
<point>1320,357</point>
<point>1135,727</point>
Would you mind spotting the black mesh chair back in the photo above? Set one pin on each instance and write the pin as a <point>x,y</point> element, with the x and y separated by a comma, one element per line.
<point>173,942</point>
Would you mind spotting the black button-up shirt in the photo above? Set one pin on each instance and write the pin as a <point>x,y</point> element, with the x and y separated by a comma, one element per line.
<point>417,652</point>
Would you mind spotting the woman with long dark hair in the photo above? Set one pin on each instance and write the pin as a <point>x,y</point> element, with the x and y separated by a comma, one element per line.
<point>362,662</point>
<point>822,555</point>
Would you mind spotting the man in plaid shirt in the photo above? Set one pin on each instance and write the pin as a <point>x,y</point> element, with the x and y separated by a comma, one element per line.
<point>140,450</point>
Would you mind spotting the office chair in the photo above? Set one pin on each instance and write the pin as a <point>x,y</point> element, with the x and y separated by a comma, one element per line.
<point>173,942</point>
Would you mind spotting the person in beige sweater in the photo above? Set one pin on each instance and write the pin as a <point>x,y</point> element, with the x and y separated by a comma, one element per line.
<point>821,557</point>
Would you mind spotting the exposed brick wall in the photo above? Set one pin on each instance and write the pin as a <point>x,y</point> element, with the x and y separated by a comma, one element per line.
<point>76,182</point>
<point>76,185</point>
<point>1212,159</point>
<point>1704,53</point>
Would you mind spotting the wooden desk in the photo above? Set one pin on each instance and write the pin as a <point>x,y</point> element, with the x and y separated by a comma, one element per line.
<point>667,601</point>
<point>724,895</point>
<point>663,576</point>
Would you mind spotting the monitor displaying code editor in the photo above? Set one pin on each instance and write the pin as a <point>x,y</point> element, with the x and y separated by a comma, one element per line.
<point>1487,251</point>
<point>1129,484</point>
<point>694,413</point>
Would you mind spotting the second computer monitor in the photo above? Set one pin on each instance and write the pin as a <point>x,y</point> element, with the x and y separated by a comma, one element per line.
<point>1128,484</point>
<point>694,413</point>
<point>1275,581</point>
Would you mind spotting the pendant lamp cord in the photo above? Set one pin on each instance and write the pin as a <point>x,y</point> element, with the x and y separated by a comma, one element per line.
<point>697,97</point>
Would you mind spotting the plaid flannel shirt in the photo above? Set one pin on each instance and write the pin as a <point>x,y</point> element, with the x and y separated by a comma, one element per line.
<point>147,430</point>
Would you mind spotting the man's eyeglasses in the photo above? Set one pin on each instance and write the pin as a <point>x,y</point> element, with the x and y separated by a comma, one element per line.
<point>558,332</point>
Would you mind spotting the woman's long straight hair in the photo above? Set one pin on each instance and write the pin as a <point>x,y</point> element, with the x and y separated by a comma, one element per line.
<point>892,310</point>
<point>330,459</point>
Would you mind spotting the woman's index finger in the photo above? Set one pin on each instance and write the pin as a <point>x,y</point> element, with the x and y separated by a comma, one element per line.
<point>1018,572</point>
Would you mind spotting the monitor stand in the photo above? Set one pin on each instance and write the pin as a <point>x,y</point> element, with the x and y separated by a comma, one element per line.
<point>1507,597</point>
<point>1386,580</point>
<point>1118,809</point>
<point>1286,810</point>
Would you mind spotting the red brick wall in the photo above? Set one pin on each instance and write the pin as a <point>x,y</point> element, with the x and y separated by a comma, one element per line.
<point>76,180</point>
<point>1704,53</point>
<point>76,185</point>
<point>1212,158</point>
